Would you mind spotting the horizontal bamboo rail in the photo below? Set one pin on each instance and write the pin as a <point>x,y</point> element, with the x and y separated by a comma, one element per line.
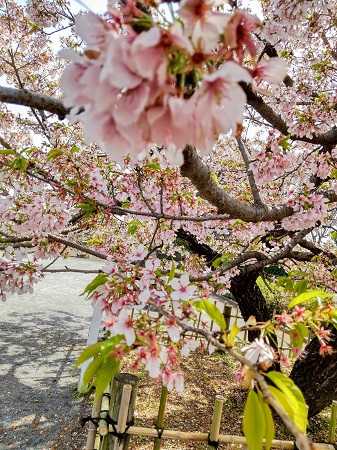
<point>203,437</point>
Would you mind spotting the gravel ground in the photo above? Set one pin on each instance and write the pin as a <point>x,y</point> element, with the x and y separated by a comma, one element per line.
<point>40,336</point>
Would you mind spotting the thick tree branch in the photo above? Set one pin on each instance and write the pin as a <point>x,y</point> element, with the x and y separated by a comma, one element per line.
<point>32,100</point>
<point>200,175</point>
<point>327,139</point>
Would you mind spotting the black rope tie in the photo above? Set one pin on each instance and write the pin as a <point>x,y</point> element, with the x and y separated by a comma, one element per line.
<point>109,421</point>
<point>84,420</point>
<point>214,444</point>
<point>120,436</point>
<point>160,431</point>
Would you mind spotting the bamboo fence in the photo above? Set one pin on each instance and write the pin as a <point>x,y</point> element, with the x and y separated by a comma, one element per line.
<point>119,403</point>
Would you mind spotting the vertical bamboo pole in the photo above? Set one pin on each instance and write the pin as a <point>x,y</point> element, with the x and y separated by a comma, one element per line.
<point>119,381</point>
<point>216,421</point>
<point>103,427</point>
<point>333,423</point>
<point>123,415</point>
<point>97,445</point>
<point>92,427</point>
<point>161,413</point>
<point>227,313</point>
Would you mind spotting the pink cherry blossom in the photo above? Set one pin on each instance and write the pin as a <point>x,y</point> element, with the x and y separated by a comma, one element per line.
<point>173,380</point>
<point>152,365</point>
<point>238,33</point>
<point>183,290</point>
<point>284,318</point>
<point>258,352</point>
<point>92,29</point>
<point>219,104</point>
<point>202,23</point>
<point>124,325</point>
<point>325,349</point>
<point>324,334</point>
<point>172,329</point>
<point>273,70</point>
<point>298,313</point>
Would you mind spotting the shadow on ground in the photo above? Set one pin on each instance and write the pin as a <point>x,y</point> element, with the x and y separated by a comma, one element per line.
<point>37,377</point>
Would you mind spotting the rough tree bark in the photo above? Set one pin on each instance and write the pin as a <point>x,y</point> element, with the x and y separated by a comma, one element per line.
<point>250,300</point>
<point>316,376</point>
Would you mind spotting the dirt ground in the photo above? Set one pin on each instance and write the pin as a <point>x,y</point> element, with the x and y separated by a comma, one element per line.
<point>206,377</point>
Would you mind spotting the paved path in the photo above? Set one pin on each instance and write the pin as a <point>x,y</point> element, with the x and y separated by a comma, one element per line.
<point>40,335</point>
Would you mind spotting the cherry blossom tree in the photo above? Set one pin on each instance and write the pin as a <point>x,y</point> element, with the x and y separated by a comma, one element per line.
<point>190,146</point>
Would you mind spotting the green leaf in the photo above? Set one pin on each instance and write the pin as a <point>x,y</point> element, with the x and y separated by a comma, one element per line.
<point>153,165</point>
<point>230,338</point>
<point>7,151</point>
<point>133,226</point>
<point>102,347</point>
<point>333,234</point>
<point>88,207</point>
<point>333,174</point>
<point>172,272</point>
<point>285,143</point>
<point>269,421</point>
<point>105,374</point>
<point>54,153</point>
<point>294,397</point>
<point>89,352</point>
<point>308,296</point>
<point>75,149</point>
<point>301,286</point>
<point>20,163</point>
<point>281,400</point>
<point>100,279</point>
<point>212,311</point>
<point>220,260</point>
<point>254,425</point>
<point>91,370</point>
<point>298,334</point>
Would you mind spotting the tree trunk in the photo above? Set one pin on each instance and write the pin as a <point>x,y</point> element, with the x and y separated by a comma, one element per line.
<point>250,299</point>
<point>316,376</point>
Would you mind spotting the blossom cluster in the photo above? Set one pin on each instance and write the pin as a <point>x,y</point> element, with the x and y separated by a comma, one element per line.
<point>145,305</point>
<point>139,82</point>
<point>16,278</point>
<point>308,210</point>
<point>271,164</point>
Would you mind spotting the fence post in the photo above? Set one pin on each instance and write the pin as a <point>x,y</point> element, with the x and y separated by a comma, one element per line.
<point>227,313</point>
<point>333,423</point>
<point>160,418</point>
<point>117,407</point>
<point>91,438</point>
<point>216,421</point>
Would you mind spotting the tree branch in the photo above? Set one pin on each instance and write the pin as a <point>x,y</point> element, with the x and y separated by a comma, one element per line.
<point>326,139</point>
<point>200,175</point>
<point>79,247</point>
<point>251,179</point>
<point>32,100</point>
